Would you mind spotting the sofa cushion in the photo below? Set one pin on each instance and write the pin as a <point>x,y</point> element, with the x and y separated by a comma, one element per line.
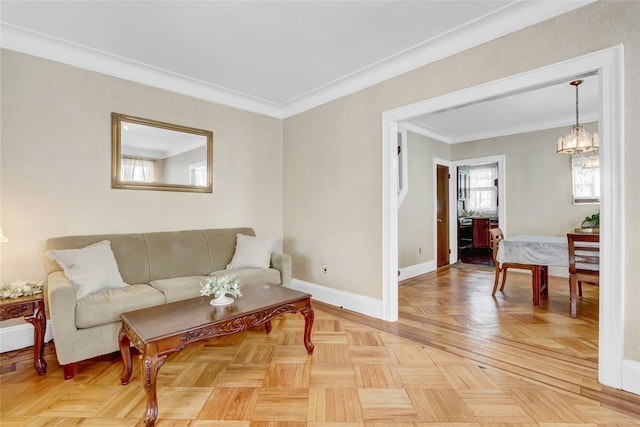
<point>252,276</point>
<point>106,306</point>
<point>90,269</point>
<point>177,254</point>
<point>179,288</point>
<point>251,252</point>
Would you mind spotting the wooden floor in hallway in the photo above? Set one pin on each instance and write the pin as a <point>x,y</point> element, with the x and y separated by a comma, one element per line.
<point>457,357</point>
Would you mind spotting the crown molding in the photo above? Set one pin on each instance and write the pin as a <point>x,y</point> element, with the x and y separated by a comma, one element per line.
<point>532,127</point>
<point>54,49</point>
<point>426,131</point>
<point>477,136</point>
<point>510,18</point>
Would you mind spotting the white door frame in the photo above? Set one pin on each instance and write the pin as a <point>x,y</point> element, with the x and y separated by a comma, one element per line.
<point>609,64</point>
<point>502,191</point>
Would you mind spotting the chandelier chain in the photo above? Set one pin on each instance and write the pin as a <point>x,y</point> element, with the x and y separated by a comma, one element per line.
<point>577,104</point>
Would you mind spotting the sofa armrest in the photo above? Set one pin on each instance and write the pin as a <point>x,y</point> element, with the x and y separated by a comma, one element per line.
<point>282,262</point>
<point>61,304</point>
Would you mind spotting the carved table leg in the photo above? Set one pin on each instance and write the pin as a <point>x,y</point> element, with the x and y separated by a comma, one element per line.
<point>125,351</point>
<point>309,315</point>
<point>267,326</point>
<point>150,364</point>
<point>39,322</point>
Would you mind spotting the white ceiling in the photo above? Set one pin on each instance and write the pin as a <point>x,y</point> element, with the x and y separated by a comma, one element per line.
<point>544,108</point>
<point>277,57</point>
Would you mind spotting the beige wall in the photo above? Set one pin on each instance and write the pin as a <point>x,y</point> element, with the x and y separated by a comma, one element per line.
<point>56,162</point>
<point>416,215</point>
<point>332,154</point>
<point>538,181</point>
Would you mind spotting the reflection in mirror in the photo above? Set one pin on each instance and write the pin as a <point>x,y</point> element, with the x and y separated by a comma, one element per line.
<point>152,155</point>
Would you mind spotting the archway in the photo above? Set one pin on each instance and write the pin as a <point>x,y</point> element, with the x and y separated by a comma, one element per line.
<point>608,65</point>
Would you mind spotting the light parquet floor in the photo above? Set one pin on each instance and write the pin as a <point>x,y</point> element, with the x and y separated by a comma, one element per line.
<point>456,357</point>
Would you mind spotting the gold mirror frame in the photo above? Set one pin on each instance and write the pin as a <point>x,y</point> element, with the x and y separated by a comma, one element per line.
<point>120,121</point>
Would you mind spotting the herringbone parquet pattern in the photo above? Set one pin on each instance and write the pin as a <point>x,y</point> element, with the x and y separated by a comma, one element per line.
<point>457,357</point>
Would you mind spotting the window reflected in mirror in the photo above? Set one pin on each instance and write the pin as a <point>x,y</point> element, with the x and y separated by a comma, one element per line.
<point>153,155</point>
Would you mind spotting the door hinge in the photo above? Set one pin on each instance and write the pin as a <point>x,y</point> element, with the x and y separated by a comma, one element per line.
<point>449,251</point>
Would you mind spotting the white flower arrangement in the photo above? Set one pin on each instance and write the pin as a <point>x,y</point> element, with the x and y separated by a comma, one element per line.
<point>222,285</point>
<point>19,288</point>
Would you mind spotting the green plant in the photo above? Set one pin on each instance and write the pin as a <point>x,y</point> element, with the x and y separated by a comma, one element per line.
<point>591,221</point>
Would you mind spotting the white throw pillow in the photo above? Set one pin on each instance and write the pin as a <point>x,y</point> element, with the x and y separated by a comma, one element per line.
<point>251,252</point>
<point>90,269</point>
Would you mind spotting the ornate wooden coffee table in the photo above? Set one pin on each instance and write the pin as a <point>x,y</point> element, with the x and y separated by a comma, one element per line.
<point>160,331</point>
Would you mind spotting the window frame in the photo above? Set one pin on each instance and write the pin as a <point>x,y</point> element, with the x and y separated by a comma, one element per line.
<point>576,167</point>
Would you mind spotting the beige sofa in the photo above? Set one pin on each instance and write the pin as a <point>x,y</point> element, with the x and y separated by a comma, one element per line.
<point>157,267</point>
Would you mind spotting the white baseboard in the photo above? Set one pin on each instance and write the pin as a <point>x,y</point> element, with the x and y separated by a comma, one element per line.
<point>417,270</point>
<point>20,336</point>
<point>631,376</point>
<point>354,302</point>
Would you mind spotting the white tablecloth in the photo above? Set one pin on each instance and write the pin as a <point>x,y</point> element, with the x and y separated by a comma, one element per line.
<point>537,250</point>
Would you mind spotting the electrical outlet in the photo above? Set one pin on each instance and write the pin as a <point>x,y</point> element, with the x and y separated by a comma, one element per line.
<point>324,268</point>
<point>419,250</point>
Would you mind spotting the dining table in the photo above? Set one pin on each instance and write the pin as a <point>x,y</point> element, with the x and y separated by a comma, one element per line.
<point>538,251</point>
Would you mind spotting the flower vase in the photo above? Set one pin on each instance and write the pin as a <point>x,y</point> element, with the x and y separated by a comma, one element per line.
<point>222,300</point>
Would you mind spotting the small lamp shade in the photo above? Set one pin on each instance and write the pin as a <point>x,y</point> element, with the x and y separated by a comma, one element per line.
<point>3,239</point>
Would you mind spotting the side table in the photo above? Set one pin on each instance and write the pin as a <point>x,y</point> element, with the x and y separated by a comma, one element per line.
<point>32,309</point>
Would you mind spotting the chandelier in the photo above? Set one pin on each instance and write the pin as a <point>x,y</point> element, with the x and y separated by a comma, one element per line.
<point>579,140</point>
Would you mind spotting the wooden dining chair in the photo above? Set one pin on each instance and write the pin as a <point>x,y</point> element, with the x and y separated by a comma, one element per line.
<point>496,237</point>
<point>584,263</point>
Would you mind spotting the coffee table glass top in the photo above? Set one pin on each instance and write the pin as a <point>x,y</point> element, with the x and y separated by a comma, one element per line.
<point>168,319</point>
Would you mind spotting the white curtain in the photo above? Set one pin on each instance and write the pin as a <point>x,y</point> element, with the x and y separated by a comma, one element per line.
<point>586,182</point>
<point>484,191</point>
<point>198,175</point>
<point>138,170</point>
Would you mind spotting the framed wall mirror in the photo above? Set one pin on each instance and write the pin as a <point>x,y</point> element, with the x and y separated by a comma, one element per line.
<point>152,155</point>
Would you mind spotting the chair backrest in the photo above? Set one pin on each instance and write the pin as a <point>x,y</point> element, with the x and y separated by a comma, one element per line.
<point>584,253</point>
<point>496,236</point>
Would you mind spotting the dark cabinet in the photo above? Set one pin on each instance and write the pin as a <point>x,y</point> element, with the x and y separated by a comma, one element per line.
<point>481,239</point>
<point>465,237</point>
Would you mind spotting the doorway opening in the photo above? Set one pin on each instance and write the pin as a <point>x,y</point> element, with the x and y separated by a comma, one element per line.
<point>475,209</point>
<point>608,66</point>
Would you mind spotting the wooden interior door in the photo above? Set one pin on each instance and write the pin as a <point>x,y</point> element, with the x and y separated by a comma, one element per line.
<point>442,217</point>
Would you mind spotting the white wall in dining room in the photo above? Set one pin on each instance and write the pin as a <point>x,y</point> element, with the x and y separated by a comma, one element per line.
<point>538,181</point>
<point>416,214</point>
